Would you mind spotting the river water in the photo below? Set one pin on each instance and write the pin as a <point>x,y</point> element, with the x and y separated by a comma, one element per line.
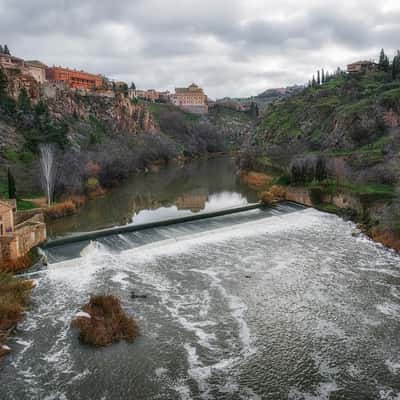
<point>174,191</point>
<point>283,303</point>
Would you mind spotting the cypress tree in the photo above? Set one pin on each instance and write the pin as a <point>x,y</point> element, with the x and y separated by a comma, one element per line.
<point>318,78</point>
<point>6,50</point>
<point>323,76</point>
<point>313,82</point>
<point>383,61</point>
<point>394,68</point>
<point>3,83</point>
<point>11,185</point>
<point>1,49</point>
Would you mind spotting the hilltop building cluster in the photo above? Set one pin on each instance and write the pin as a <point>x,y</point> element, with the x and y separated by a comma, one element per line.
<point>191,99</point>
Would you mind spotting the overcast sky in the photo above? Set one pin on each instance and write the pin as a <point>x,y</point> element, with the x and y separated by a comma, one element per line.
<point>230,47</point>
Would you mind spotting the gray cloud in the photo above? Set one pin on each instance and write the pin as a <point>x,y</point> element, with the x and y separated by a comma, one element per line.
<point>235,47</point>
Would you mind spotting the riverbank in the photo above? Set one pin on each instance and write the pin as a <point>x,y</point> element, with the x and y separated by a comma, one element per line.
<point>363,204</point>
<point>14,299</point>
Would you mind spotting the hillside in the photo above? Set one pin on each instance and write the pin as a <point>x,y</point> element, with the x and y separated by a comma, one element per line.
<point>100,138</point>
<point>342,136</point>
<point>357,118</point>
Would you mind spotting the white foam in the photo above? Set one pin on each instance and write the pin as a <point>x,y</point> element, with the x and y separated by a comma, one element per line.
<point>160,371</point>
<point>389,309</point>
<point>322,392</point>
<point>238,311</point>
<point>120,278</point>
<point>183,244</point>
<point>388,394</point>
<point>90,249</point>
<point>197,371</point>
<point>393,366</point>
<point>328,328</point>
<point>183,392</point>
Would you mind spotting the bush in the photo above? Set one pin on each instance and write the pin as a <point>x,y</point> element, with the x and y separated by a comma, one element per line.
<point>308,169</point>
<point>107,324</point>
<point>14,297</point>
<point>316,196</point>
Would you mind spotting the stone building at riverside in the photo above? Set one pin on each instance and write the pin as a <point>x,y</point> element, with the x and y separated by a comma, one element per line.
<point>19,232</point>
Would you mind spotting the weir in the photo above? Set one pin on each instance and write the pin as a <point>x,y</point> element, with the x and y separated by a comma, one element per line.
<point>88,236</point>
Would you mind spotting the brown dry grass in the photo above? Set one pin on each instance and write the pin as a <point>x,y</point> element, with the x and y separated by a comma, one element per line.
<point>386,237</point>
<point>108,323</point>
<point>21,263</point>
<point>14,297</point>
<point>274,194</point>
<point>256,180</point>
<point>60,210</point>
<point>98,191</point>
<point>79,201</point>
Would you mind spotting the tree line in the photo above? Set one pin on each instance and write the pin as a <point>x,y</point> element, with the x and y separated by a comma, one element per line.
<point>383,65</point>
<point>5,50</point>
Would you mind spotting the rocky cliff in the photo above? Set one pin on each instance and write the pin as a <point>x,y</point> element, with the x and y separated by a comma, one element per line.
<point>116,113</point>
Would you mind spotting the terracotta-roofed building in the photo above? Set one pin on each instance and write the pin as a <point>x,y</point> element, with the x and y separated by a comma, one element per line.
<point>74,79</point>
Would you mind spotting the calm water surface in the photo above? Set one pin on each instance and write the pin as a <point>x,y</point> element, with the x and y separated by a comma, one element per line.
<point>174,191</point>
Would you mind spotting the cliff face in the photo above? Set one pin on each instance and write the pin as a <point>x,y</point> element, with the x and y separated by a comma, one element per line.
<point>114,111</point>
<point>118,114</point>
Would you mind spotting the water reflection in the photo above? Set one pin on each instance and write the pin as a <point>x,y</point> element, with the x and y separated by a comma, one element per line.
<point>191,203</point>
<point>175,191</point>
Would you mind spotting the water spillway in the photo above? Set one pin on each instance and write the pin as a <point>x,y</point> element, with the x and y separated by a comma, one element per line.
<point>287,303</point>
<point>125,237</point>
<point>140,227</point>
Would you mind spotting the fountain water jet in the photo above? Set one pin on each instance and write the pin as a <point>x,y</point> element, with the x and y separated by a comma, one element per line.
<point>48,169</point>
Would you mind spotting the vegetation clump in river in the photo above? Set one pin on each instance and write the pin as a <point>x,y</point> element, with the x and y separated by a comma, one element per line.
<point>102,321</point>
<point>14,297</point>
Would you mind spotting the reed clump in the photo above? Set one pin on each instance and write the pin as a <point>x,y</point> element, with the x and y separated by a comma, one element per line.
<point>108,323</point>
<point>274,194</point>
<point>14,298</point>
<point>60,210</point>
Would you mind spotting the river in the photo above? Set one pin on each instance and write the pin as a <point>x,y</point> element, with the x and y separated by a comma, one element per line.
<point>174,191</point>
<point>282,303</point>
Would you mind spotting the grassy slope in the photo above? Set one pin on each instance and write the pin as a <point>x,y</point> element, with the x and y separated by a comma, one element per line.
<point>309,118</point>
